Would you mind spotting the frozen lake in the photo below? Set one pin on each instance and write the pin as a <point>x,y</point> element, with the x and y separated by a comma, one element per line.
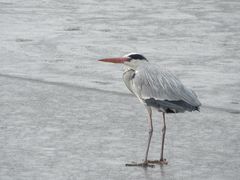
<point>63,115</point>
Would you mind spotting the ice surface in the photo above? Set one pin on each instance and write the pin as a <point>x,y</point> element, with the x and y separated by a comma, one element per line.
<point>66,116</point>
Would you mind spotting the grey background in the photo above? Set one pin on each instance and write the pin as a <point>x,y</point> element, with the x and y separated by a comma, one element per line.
<point>63,115</point>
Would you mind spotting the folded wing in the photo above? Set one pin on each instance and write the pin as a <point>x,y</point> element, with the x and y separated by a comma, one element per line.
<point>161,89</point>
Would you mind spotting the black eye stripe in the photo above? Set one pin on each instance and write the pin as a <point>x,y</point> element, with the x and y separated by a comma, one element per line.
<point>137,56</point>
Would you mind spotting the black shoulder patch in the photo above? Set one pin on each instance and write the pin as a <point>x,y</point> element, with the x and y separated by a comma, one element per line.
<point>171,106</point>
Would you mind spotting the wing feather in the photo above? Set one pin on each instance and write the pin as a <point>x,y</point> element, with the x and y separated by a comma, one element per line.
<point>152,82</point>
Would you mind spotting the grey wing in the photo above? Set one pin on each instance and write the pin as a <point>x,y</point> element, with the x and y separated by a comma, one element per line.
<point>160,88</point>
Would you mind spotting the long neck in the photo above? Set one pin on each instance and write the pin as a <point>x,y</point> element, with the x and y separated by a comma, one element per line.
<point>127,68</point>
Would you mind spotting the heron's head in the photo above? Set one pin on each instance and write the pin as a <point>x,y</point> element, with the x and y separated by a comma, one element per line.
<point>132,60</point>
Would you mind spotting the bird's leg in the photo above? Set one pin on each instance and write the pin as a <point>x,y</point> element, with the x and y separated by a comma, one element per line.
<point>145,163</point>
<point>150,133</point>
<point>161,161</point>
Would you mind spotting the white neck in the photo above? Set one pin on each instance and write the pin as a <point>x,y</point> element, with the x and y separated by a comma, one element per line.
<point>133,64</point>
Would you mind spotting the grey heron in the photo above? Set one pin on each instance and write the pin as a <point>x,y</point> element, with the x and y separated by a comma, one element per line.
<point>156,88</point>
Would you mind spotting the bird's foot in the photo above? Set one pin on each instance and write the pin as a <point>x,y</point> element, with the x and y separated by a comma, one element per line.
<point>161,161</point>
<point>144,164</point>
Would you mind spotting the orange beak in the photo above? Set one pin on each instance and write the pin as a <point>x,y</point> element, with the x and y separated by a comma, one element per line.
<point>115,60</point>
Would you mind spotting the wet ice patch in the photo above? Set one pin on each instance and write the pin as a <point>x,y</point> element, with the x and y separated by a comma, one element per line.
<point>72,29</point>
<point>101,82</point>
<point>23,40</point>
